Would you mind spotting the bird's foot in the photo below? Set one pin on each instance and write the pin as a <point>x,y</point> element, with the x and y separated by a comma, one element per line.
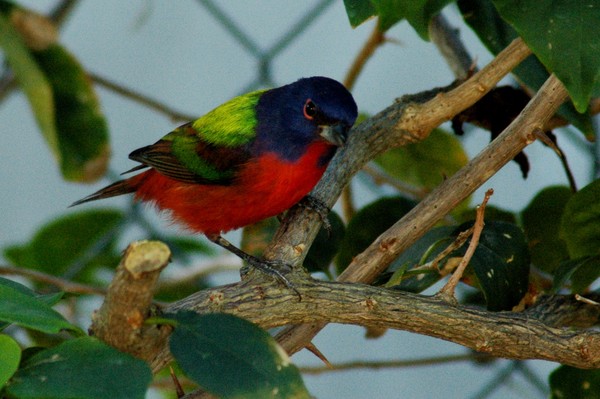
<point>315,204</point>
<point>273,268</point>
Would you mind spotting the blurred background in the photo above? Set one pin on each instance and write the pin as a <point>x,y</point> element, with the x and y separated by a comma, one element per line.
<point>193,55</point>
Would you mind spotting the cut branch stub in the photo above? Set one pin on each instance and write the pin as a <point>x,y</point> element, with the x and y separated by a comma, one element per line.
<point>120,320</point>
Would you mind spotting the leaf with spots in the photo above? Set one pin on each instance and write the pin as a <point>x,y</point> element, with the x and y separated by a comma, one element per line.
<point>568,382</point>
<point>563,34</point>
<point>500,263</point>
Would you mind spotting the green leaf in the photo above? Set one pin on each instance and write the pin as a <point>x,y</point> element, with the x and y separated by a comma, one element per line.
<point>496,34</point>
<point>500,264</point>
<point>27,311</point>
<point>417,12</point>
<point>582,272</point>
<point>61,94</point>
<point>425,164</point>
<point>420,12</point>
<point>580,223</point>
<point>572,383</point>
<point>541,222</point>
<point>564,35</point>
<point>81,368</point>
<point>368,224</point>
<point>9,361</point>
<point>32,80</point>
<point>232,358</point>
<point>60,243</point>
<point>84,156</point>
<point>49,299</point>
<point>359,11</point>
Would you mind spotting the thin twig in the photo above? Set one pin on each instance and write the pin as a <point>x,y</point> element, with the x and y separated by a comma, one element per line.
<point>586,300</point>
<point>140,98</point>
<point>447,291</point>
<point>315,351</point>
<point>381,177</point>
<point>375,40</point>
<point>457,243</point>
<point>64,284</point>
<point>387,364</point>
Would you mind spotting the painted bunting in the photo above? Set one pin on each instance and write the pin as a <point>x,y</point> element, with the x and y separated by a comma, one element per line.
<point>251,158</point>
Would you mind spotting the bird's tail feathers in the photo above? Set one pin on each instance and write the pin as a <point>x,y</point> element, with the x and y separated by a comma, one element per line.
<point>118,188</point>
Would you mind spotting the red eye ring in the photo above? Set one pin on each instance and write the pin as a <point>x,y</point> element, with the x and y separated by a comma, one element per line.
<point>310,109</point>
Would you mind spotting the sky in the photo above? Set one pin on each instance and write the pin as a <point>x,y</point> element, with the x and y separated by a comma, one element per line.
<point>178,54</point>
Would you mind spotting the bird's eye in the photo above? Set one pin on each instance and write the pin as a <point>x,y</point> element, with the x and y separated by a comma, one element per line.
<point>310,109</point>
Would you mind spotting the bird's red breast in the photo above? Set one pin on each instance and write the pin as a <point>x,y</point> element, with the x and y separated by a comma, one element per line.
<point>266,186</point>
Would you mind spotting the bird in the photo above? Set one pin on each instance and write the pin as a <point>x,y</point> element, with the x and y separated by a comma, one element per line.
<point>251,158</point>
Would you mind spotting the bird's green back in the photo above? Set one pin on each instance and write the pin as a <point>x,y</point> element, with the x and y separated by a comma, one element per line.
<point>231,124</point>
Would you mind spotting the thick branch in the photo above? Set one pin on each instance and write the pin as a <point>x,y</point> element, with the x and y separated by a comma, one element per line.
<point>502,334</point>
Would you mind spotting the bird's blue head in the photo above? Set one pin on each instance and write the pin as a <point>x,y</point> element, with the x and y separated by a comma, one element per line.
<point>291,117</point>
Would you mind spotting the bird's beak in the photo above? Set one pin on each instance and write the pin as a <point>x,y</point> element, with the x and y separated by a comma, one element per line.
<point>335,134</point>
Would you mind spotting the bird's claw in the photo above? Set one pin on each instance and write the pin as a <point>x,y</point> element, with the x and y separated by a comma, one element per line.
<point>273,268</point>
<point>276,269</point>
<point>315,204</point>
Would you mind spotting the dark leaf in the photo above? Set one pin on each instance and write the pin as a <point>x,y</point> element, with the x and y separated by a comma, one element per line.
<point>325,246</point>
<point>564,36</point>
<point>28,311</point>
<point>541,222</point>
<point>580,224</point>
<point>494,112</point>
<point>580,272</point>
<point>568,382</point>
<point>232,358</point>
<point>81,368</point>
<point>60,243</point>
<point>417,12</point>
<point>500,264</point>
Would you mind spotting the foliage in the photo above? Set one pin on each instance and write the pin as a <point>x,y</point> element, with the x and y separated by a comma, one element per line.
<point>550,246</point>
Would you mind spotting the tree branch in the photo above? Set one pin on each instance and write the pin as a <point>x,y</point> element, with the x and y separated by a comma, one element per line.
<point>502,334</point>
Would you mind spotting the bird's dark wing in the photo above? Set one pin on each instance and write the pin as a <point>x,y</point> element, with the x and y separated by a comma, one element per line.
<point>185,156</point>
